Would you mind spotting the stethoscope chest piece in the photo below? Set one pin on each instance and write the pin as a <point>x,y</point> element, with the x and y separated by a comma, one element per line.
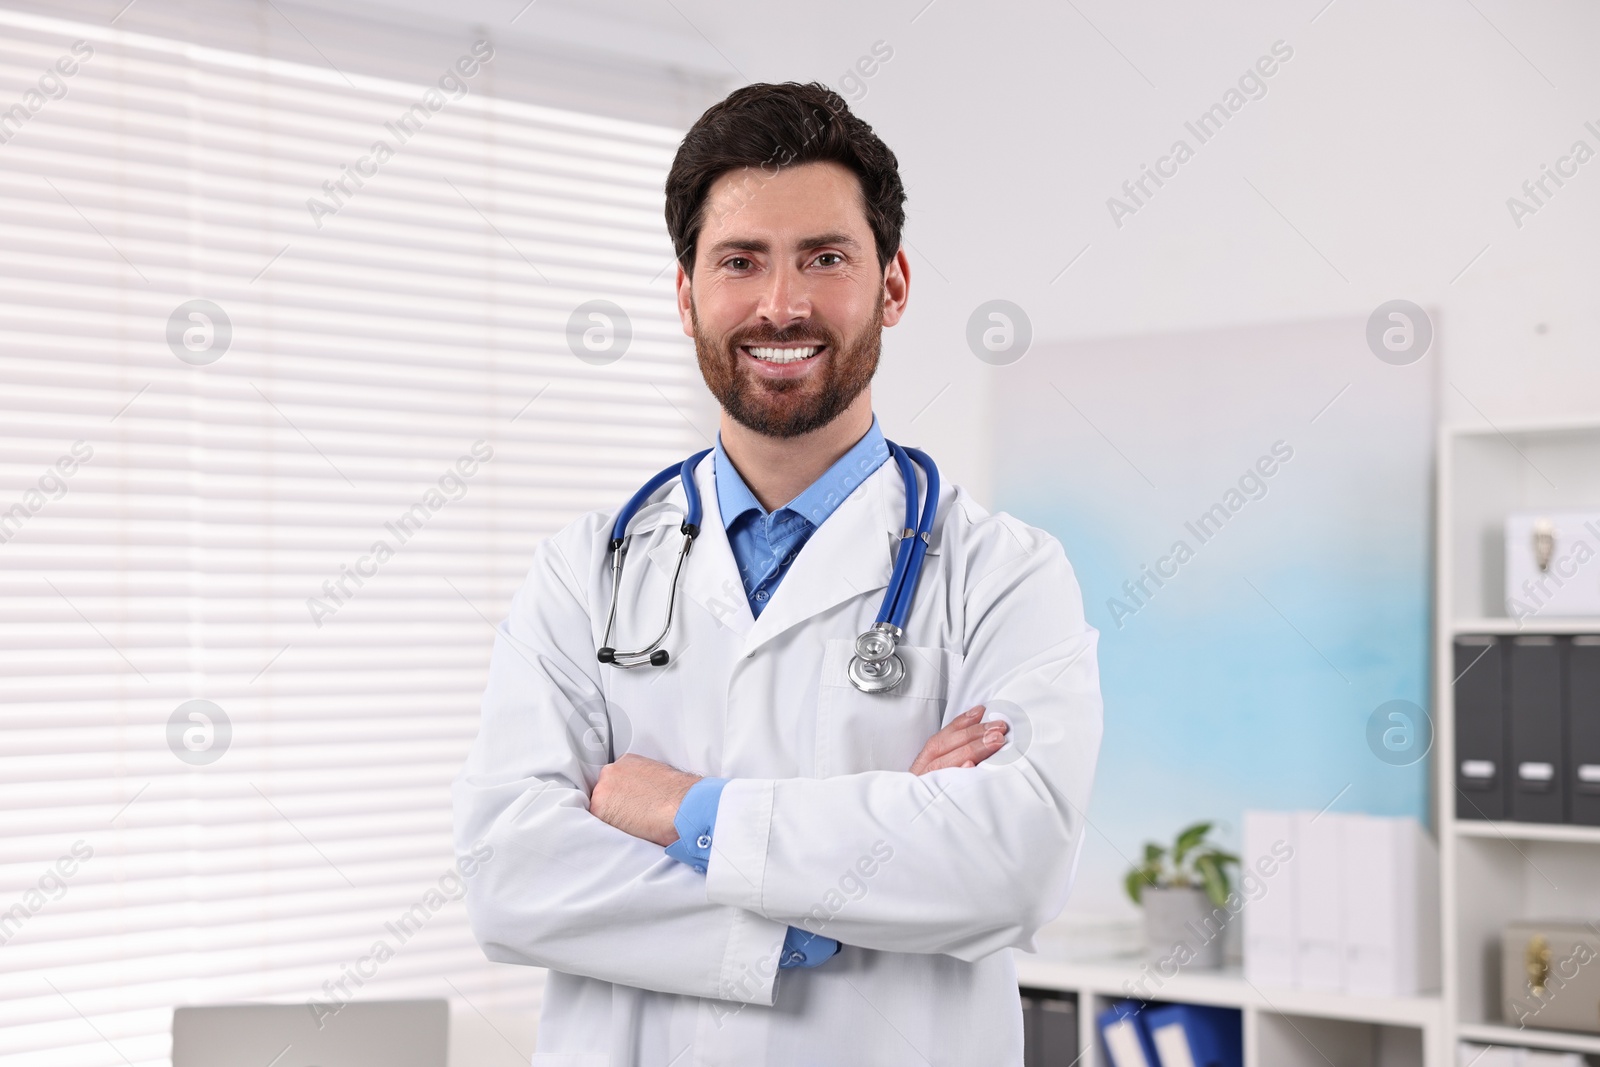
<point>877,677</point>
<point>876,668</point>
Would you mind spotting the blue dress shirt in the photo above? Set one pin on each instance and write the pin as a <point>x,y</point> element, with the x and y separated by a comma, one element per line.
<point>766,542</point>
<point>764,545</point>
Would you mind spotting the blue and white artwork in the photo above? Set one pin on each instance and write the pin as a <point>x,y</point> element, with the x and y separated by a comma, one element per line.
<point>1248,512</point>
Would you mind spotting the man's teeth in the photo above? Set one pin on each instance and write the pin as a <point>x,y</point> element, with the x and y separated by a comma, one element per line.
<point>784,355</point>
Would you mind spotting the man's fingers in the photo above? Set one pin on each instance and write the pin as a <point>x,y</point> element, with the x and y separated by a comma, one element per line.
<point>954,735</point>
<point>979,748</point>
<point>980,742</point>
<point>941,742</point>
<point>948,739</point>
<point>957,743</point>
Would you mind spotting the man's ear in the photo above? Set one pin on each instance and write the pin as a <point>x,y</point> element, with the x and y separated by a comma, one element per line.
<point>896,287</point>
<point>685,301</point>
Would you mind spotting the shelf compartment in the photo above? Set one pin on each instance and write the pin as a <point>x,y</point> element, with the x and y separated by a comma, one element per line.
<point>1307,1041</point>
<point>1488,475</point>
<point>1499,880</point>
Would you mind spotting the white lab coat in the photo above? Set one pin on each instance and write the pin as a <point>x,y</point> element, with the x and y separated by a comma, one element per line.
<point>927,881</point>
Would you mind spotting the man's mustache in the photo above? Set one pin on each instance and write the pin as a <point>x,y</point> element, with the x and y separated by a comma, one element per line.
<point>781,337</point>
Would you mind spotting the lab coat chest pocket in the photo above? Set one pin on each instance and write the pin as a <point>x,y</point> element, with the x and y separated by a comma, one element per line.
<point>859,731</point>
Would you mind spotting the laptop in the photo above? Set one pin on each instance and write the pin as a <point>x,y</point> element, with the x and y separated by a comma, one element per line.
<point>381,1033</point>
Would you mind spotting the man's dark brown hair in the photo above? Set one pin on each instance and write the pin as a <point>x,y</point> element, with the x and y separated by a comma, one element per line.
<point>766,127</point>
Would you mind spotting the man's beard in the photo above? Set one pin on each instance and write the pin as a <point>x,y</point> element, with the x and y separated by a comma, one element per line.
<point>788,407</point>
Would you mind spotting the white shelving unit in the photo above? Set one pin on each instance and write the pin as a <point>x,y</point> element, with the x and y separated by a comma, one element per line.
<point>1497,872</point>
<point>1282,1027</point>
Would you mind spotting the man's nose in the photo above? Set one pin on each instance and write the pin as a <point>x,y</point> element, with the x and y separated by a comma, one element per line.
<point>787,296</point>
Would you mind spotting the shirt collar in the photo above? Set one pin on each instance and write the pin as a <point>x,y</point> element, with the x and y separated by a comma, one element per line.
<point>820,498</point>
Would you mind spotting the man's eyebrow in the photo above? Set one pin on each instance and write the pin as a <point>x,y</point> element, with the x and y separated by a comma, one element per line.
<point>843,240</point>
<point>756,244</point>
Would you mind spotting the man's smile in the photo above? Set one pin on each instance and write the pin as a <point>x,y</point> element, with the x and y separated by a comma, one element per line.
<point>782,353</point>
<point>783,361</point>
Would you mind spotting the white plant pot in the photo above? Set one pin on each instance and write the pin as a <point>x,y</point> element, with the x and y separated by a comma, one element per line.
<point>1182,929</point>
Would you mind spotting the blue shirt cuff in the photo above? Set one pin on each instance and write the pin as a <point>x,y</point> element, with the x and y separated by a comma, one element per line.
<point>804,949</point>
<point>695,821</point>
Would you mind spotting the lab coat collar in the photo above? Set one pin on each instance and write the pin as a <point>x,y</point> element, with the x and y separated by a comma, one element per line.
<point>837,563</point>
<point>846,556</point>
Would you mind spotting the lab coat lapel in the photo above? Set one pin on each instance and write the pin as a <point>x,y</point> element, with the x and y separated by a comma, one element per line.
<point>847,556</point>
<point>710,574</point>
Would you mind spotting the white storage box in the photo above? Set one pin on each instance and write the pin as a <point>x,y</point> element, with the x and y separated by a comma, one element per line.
<point>1552,564</point>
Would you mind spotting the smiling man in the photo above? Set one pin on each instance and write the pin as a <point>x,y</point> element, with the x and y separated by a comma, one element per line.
<point>737,853</point>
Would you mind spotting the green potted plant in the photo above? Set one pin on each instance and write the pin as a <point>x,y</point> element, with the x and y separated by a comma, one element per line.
<point>1184,892</point>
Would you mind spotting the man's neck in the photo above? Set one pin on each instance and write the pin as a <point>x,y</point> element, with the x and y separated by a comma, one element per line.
<point>778,469</point>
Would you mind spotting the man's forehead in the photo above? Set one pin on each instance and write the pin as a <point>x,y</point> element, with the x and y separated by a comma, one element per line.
<point>808,198</point>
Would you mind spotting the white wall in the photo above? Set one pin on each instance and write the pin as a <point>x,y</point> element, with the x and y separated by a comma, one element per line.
<point>1390,141</point>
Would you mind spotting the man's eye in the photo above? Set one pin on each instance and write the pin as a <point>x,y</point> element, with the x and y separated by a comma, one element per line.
<point>829,255</point>
<point>738,263</point>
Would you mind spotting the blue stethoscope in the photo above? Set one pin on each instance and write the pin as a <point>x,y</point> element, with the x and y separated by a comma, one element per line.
<point>875,668</point>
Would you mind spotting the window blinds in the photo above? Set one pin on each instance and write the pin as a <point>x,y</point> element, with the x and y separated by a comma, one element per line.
<point>282,416</point>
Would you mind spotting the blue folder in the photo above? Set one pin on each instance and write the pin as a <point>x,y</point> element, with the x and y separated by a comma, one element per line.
<point>1185,1035</point>
<point>1123,1034</point>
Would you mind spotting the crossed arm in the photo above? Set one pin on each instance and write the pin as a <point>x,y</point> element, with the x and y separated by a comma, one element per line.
<point>648,799</point>
<point>641,796</point>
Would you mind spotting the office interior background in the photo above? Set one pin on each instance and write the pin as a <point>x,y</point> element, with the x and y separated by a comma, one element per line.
<point>234,518</point>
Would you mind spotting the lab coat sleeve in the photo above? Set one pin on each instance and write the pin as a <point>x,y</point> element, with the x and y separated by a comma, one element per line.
<point>560,888</point>
<point>960,861</point>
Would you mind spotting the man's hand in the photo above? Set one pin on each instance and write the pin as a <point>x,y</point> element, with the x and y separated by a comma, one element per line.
<point>966,742</point>
<point>640,796</point>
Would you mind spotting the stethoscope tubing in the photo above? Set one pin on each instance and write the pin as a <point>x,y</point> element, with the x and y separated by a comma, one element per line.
<point>902,555</point>
<point>900,610</point>
<point>652,653</point>
<point>684,472</point>
<point>903,578</point>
